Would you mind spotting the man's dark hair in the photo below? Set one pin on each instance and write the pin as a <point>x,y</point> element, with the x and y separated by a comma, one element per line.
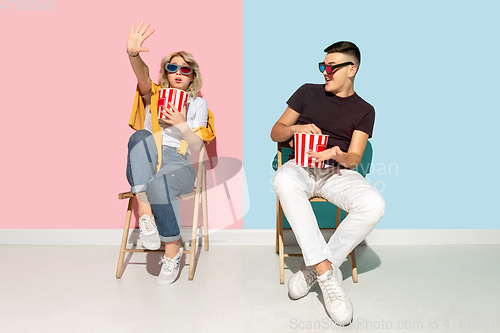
<point>347,48</point>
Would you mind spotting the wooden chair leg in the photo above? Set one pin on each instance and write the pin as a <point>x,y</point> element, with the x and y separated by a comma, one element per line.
<point>204,207</point>
<point>278,217</point>
<point>200,190</point>
<point>280,245</point>
<point>337,219</point>
<point>119,269</point>
<point>282,259</point>
<point>277,249</point>
<point>354,267</point>
<point>194,235</point>
<point>192,253</point>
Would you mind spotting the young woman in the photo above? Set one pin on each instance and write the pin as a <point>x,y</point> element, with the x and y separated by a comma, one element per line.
<point>158,166</point>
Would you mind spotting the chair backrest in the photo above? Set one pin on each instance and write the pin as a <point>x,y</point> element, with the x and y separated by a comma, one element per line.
<point>200,181</point>
<point>282,153</point>
<point>201,165</point>
<point>366,161</point>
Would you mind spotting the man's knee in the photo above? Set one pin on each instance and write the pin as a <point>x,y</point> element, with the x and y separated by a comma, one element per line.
<point>277,180</point>
<point>376,206</point>
<point>284,178</point>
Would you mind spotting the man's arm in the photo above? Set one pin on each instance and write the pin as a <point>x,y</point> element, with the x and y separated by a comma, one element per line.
<point>285,126</point>
<point>352,158</point>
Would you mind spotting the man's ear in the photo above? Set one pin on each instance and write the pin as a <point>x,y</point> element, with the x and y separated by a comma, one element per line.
<point>353,71</point>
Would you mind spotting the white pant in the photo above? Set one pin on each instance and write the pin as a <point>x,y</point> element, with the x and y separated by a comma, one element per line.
<point>344,188</point>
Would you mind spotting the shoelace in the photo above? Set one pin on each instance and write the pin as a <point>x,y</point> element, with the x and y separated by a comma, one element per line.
<point>331,291</point>
<point>310,276</point>
<point>170,264</point>
<point>147,225</point>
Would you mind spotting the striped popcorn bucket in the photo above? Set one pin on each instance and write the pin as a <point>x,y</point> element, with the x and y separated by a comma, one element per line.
<point>304,142</point>
<point>171,95</point>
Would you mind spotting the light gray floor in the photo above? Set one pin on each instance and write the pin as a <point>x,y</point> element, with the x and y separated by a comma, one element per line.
<point>236,289</point>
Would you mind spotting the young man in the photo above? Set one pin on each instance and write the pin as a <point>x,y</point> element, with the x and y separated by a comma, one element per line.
<point>335,109</point>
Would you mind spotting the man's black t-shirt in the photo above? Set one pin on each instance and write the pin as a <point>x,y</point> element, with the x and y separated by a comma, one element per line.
<point>336,116</point>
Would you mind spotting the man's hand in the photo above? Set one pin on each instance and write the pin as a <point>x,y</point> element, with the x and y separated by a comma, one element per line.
<point>333,152</point>
<point>309,128</point>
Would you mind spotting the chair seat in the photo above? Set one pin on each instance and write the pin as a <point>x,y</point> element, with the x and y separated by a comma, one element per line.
<point>125,195</point>
<point>128,195</point>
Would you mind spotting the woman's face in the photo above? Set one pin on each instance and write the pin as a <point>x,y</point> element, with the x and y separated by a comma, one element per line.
<point>178,80</point>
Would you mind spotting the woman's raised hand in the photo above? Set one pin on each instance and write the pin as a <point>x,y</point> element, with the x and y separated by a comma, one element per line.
<point>137,37</point>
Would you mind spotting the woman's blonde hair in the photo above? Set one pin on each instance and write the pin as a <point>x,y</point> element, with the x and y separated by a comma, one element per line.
<point>195,85</point>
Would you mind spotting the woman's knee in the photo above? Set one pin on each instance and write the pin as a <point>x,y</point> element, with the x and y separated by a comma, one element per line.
<point>137,137</point>
<point>157,190</point>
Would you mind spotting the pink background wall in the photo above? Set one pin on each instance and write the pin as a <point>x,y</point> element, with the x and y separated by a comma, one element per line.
<point>66,90</point>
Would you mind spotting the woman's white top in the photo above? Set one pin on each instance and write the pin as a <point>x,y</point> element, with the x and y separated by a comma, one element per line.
<point>196,116</point>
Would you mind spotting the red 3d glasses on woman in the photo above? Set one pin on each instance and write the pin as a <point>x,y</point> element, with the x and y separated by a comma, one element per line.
<point>172,68</point>
<point>329,69</point>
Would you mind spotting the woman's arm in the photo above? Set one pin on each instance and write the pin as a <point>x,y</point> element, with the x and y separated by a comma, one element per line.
<point>135,40</point>
<point>178,119</point>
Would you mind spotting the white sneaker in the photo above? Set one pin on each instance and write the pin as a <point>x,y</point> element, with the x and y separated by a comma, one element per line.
<point>148,233</point>
<point>338,305</point>
<point>301,282</point>
<point>170,268</point>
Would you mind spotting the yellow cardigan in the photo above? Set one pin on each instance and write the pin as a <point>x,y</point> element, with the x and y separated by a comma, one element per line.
<point>138,115</point>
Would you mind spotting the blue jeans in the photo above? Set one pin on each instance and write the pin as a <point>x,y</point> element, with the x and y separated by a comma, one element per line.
<point>175,178</point>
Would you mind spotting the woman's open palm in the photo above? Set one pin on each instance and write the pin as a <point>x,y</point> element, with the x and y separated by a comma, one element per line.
<point>137,37</point>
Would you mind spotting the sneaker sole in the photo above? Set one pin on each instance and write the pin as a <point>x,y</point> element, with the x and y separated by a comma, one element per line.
<point>344,325</point>
<point>156,247</point>
<point>299,297</point>
<point>166,283</point>
<point>340,278</point>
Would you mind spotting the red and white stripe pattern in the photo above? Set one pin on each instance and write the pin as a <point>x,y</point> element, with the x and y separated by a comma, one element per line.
<point>304,142</point>
<point>171,95</point>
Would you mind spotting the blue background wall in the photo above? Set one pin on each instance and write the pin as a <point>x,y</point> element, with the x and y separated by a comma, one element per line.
<point>431,69</point>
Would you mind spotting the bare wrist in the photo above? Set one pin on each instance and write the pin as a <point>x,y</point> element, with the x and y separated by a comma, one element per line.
<point>183,127</point>
<point>133,56</point>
